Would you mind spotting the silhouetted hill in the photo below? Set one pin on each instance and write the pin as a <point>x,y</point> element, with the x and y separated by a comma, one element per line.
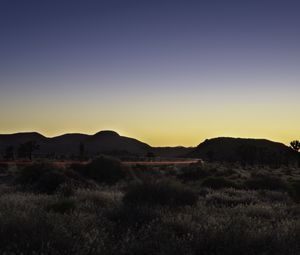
<point>106,133</point>
<point>103,142</point>
<point>109,141</point>
<point>15,140</point>
<point>20,138</point>
<point>246,151</point>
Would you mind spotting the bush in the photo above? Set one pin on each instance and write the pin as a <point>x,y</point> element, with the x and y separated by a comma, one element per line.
<point>132,216</point>
<point>49,182</point>
<point>161,193</point>
<point>218,183</point>
<point>62,206</point>
<point>266,182</point>
<point>36,224</point>
<point>66,189</point>
<point>80,169</point>
<point>31,174</point>
<point>294,191</point>
<point>230,198</point>
<point>193,172</point>
<point>45,178</point>
<point>105,170</point>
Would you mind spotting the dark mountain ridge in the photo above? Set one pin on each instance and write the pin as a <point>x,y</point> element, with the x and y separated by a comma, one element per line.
<point>103,142</point>
<point>222,149</point>
<point>244,150</point>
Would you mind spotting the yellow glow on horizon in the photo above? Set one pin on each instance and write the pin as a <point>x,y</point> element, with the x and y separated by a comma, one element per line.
<point>161,139</point>
<point>159,119</point>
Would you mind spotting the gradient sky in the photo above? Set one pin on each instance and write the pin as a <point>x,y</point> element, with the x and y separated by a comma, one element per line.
<point>165,72</point>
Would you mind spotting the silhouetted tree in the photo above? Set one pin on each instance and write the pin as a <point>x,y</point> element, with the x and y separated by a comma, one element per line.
<point>9,153</point>
<point>295,145</point>
<point>26,149</point>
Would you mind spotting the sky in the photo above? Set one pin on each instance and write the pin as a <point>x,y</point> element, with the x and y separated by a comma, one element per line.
<point>166,72</point>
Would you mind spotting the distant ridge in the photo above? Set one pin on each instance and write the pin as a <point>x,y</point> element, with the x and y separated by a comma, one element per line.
<point>244,150</point>
<point>103,142</point>
<point>227,149</point>
<point>107,133</point>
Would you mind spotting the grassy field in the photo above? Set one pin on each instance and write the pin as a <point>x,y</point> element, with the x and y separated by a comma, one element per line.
<point>106,207</point>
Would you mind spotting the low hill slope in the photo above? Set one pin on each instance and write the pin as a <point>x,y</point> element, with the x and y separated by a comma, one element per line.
<point>103,142</point>
<point>247,151</point>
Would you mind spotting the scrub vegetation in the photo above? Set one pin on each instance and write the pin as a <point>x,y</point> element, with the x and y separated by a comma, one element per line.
<point>105,207</point>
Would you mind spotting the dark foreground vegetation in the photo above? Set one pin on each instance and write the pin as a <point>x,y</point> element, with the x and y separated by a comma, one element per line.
<point>107,208</point>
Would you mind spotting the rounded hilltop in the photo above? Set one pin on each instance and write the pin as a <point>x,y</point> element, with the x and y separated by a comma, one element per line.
<point>107,133</point>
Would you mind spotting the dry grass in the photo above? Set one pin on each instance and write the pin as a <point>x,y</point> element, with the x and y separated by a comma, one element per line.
<point>99,220</point>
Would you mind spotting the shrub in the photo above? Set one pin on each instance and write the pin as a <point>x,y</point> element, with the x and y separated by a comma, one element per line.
<point>62,206</point>
<point>132,216</point>
<point>43,225</point>
<point>45,178</point>
<point>104,170</point>
<point>229,199</point>
<point>273,196</point>
<point>49,182</point>
<point>79,168</point>
<point>97,200</point>
<point>145,172</point>
<point>266,182</point>
<point>32,173</point>
<point>218,183</point>
<point>66,189</point>
<point>294,191</point>
<point>193,172</point>
<point>160,193</point>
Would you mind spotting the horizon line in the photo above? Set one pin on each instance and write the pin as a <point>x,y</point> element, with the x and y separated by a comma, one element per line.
<point>141,140</point>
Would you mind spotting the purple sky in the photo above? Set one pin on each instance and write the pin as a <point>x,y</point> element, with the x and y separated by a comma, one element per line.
<point>167,72</point>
